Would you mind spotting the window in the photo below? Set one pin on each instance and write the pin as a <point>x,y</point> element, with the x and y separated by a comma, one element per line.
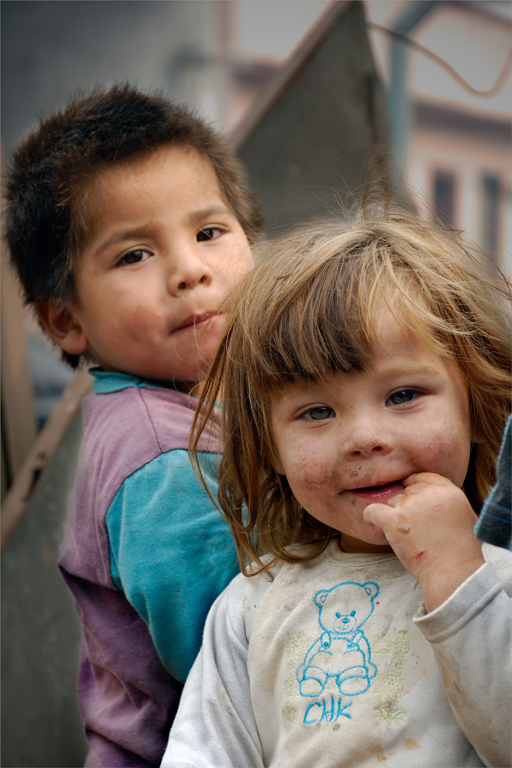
<point>444,198</point>
<point>491,193</point>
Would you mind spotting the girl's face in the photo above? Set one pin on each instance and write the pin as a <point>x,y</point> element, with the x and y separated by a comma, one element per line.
<point>351,440</point>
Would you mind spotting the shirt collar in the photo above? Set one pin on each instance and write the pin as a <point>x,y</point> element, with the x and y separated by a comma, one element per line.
<point>106,382</point>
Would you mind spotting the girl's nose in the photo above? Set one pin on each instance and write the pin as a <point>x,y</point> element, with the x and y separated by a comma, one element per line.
<point>367,448</point>
<point>186,272</point>
<point>364,438</point>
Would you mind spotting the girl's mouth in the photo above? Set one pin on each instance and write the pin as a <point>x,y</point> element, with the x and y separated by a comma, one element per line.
<point>379,493</point>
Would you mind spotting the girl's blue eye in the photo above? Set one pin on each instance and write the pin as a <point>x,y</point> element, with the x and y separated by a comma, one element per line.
<point>402,396</point>
<point>134,257</point>
<point>319,413</point>
<point>208,233</point>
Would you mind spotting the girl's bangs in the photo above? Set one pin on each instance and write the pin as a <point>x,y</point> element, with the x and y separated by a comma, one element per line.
<point>317,328</point>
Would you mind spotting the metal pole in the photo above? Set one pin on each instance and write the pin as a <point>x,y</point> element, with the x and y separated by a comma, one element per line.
<point>399,106</point>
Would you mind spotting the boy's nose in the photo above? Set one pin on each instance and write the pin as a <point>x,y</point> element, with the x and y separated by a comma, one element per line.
<point>187,274</point>
<point>190,282</point>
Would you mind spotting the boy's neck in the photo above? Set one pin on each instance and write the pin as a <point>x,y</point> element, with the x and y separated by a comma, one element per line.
<point>190,387</point>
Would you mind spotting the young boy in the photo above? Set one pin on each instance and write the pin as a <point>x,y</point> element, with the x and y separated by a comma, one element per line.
<point>128,224</point>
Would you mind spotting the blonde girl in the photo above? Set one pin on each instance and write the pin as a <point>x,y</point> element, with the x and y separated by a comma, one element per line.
<point>365,379</point>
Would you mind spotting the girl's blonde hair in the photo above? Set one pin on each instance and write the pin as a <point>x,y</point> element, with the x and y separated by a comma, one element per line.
<point>309,307</point>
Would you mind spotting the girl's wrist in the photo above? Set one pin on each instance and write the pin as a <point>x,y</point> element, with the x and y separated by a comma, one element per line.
<point>437,586</point>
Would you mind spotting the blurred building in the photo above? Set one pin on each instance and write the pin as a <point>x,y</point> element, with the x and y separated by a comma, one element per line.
<point>218,54</point>
<point>212,54</point>
<point>458,153</point>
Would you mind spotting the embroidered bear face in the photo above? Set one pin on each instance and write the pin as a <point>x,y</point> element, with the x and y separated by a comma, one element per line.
<point>346,606</point>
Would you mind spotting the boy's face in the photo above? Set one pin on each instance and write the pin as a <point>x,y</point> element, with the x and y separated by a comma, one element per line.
<point>351,440</point>
<point>163,253</point>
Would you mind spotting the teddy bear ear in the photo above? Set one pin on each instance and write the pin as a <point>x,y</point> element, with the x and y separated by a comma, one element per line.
<point>372,588</point>
<point>321,597</point>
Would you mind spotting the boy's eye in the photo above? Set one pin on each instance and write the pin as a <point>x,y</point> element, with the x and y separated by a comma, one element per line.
<point>319,413</point>
<point>133,257</point>
<point>209,233</point>
<point>402,396</point>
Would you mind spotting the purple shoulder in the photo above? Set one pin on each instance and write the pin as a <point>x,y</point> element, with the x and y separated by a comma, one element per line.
<point>178,408</point>
<point>123,431</point>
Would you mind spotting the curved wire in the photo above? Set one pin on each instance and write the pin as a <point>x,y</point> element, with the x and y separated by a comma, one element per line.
<point>496,88</point>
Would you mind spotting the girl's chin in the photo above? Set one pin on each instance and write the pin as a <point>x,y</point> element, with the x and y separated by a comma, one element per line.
<point>374,542</point>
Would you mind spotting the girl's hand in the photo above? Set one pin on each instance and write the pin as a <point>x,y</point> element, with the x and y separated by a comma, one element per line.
<point>430,528</point>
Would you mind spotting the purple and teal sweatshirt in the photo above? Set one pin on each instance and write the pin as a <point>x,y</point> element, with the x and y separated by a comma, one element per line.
<point>145,554</point>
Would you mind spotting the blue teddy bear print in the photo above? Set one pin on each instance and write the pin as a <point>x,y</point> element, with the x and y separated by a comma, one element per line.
<point>342,650</point>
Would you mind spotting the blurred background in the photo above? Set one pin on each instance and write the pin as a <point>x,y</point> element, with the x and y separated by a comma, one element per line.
<point>451,142</point>
<point>313,94</point>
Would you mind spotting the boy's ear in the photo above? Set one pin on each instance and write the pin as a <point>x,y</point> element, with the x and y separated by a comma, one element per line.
<point>63,327</point>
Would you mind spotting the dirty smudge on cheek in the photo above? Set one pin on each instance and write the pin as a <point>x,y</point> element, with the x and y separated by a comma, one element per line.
<point>310,474</point>
<point>313,472</point>
<point>349,475</point>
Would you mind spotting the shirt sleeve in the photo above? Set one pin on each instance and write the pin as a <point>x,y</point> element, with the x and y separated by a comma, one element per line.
<point>171,551</point>
<point>495,522</point>
<point>471,635</point>
<point>215,726</point>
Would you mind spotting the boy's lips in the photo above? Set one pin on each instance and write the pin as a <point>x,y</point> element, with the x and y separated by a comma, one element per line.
<point>379,493</point>
<point>195,320</point>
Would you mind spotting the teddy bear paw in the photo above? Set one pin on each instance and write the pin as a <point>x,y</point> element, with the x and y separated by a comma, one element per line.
<point>357,682</point>
<point>310,686</point>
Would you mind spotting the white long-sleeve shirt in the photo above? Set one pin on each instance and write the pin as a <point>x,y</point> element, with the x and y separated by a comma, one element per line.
<point>335,663</point>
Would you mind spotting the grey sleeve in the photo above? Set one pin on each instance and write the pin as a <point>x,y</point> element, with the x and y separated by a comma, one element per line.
<point>471,635</point>
<point>215,725</point>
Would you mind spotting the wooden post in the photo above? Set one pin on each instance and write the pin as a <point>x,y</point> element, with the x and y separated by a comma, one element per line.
<point>18,414</point>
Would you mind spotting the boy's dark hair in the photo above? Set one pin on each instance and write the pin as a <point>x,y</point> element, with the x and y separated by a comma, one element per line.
<point>51,169</point>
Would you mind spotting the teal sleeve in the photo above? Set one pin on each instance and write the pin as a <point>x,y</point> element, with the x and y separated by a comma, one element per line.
<point>171,552</point>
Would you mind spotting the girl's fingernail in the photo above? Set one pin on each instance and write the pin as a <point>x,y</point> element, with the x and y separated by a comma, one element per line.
<point>405,527</point>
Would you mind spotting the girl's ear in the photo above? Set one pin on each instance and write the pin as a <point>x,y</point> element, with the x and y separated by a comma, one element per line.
<point>63,327</point>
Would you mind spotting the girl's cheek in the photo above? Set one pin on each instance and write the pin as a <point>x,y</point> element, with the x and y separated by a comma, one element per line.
<point>427,451</point>
<point>445,452</point>
<point>312,468</point>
